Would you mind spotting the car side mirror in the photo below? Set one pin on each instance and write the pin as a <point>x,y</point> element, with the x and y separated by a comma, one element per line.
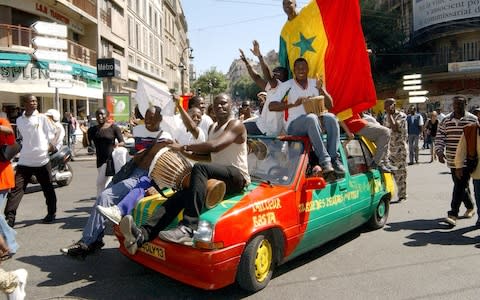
<point>315,183</point>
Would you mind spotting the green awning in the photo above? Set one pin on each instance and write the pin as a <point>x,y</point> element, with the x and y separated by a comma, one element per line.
<point>10,59</point>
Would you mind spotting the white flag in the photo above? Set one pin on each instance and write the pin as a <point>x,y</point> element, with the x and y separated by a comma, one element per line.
<point>149,93</point>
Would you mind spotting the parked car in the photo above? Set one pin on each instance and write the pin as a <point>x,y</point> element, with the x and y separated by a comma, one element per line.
<point>283,213</point>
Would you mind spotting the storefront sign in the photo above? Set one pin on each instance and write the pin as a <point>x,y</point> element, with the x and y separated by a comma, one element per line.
<point>108,67</point>
<point>54,14</point>
<point>464,66</point>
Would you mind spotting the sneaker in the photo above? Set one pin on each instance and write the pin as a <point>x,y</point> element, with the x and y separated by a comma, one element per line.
<point>133,236</point>
<point>112,213</point>
<point>452,220</point>
<point>49,219</point>
<point>180,235</point>
<point>10,220</point>
<point>469,213</point>
<point>76,249</point>
<point>19,292</point>
<point>327,168</point>
<point>80,249</point>
<point>382,167</point>
<point>338,168</point>
<point>403,199</point>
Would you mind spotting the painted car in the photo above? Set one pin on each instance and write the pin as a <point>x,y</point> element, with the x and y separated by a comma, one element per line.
<point>283,213</point>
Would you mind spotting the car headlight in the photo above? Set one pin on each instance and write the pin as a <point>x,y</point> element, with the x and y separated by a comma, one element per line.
<point>204,232</point>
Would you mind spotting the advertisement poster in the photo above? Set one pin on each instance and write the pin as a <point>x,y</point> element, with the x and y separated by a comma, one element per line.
<point>118,105</point>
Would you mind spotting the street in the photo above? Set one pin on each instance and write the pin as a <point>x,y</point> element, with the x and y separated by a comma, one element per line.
<point>414,257</point>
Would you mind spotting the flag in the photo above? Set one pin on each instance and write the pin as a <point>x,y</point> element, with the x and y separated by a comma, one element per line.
<point>328,34</point>
<point>149,94</point>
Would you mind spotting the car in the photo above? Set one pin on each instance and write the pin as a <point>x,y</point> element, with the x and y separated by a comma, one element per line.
<point>285,212</point>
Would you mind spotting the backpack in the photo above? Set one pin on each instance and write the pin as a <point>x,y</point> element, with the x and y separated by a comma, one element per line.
<point>470,132</point>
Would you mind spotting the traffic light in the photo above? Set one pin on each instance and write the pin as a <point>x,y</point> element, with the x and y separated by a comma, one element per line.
<point>199,91</point>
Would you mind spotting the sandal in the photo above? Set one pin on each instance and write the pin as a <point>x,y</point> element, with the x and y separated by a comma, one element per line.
<point>6,256</point>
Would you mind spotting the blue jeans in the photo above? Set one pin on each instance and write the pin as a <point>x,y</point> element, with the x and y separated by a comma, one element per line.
<point>310,125</point>
<point>7,231</point>
<point>112,195</point>
<point>129,202</point>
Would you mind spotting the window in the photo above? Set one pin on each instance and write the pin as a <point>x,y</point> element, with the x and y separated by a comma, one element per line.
<point>137,6</point>
<point>150,15</point>
<point>130,58</point>
<point>470,50</point>
<point>358,157</point>
<point>145,41</point>
<point>131,36</point>
<point>137,37</point>
<point>150,46</point>
<point>444,54</point>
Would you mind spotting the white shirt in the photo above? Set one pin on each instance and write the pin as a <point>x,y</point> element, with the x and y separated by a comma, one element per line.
<point>295,91</point>
<point>37,132</point>
<point>59,135</point>
<point>205,123</point>
<point>271,122</point>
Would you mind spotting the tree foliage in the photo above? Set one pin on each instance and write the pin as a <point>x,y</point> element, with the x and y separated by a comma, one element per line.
<point>384,36</point>
<point>244,88</point>
<point>212,83</point>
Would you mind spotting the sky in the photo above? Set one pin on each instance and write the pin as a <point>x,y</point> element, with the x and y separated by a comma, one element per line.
<point>218,28</point>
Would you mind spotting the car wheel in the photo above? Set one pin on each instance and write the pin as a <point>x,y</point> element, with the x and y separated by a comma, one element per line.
<point>380,215</point>
<point>256,264</point>
<point>66,181</point>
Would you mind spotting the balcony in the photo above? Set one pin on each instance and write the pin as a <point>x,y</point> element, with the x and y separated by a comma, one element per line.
<point>88,6</point>
<point>106,17</point>
<point>13,36</point>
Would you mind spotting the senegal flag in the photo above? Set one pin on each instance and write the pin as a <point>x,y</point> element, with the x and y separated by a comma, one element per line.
<point>328,34</point>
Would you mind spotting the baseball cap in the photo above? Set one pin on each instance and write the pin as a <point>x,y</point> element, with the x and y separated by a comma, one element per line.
<point>54,114</point>
<point>262,94</point>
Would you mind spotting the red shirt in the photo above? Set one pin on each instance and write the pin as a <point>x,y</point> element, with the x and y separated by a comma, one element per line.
<point>7,176</point>
<point>355,123</point>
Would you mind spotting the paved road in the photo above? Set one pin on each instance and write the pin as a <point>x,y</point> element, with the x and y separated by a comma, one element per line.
<point>413,257</point>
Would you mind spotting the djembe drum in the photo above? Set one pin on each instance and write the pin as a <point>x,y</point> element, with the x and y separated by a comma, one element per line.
<point>315,105</point>
<point>170,169</point>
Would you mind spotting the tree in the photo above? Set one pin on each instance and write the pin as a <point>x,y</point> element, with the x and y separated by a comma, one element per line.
<point>244,88</point>
<point>385,37</point>
<point>211,83</point>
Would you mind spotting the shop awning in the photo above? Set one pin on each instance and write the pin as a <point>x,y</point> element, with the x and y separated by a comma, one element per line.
<point>77,69</point>
<point>10,59</point>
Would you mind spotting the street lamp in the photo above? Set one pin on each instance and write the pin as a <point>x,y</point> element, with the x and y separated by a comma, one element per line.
<point>183,67</point>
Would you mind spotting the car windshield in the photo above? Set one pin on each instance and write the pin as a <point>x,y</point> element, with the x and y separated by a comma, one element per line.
<point>272,160</point>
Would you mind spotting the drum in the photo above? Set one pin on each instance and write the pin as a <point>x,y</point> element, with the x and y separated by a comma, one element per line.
<point>215,192</point>
<point>170,169</point>
<point>315,105</point>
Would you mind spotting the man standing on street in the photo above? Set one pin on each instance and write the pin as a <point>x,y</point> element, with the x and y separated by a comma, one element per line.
<point>446,143</point>
<point>414,126</point>
<point>37,133</point>
<point>397,122</point>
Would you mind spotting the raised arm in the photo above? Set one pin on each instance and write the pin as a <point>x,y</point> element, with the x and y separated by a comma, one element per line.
<point>267,75</point>
<point>187,121</point>
<point>323,91</point>
<point>259,81</point>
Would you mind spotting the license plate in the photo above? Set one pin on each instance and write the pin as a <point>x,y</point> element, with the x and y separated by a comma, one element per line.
<point>153,250</point>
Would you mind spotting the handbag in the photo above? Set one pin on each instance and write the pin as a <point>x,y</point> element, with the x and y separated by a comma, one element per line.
<point>7,152</point>
<point>110,169</point>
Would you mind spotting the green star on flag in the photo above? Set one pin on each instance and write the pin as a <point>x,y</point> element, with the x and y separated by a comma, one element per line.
<point>305,44</point>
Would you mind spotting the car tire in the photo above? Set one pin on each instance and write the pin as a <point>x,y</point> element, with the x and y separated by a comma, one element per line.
<point>66,181</point>
<point>380,215</point>
<point>256,264</point>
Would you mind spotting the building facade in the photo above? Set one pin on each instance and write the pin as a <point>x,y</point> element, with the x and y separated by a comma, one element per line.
<point>445,35</point>
<point>145,37</point>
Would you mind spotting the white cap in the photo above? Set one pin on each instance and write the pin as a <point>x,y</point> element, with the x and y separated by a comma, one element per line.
<point>54,114</point>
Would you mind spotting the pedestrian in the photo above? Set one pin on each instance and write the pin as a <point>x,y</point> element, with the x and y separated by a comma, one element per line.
<point>431,132</point>
<point>106,136</point>
<point>299,122</point>
<point>446,142</point>
<point>226,147</point>
<point>245,111</point>
<point>7,181</point>
<point>54,117</point>
<point>268,122</point>
<point>397,122</point>
<point>72,125</point>
<point>466,144</point>
<point>37,134</point>
<point>199,102</point>
<point>93,231</point>
<point>414,127</point>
